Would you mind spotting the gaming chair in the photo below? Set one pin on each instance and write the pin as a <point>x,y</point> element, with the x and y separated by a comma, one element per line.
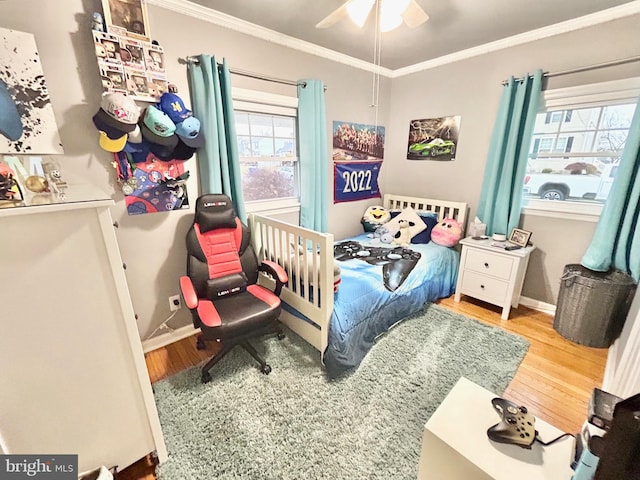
<point>221,288</point>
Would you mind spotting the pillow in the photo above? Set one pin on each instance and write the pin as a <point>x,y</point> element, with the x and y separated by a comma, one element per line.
<point>416,225</point>
<point>430,219</point>
<point>447,232</point>
<point>373,217</point>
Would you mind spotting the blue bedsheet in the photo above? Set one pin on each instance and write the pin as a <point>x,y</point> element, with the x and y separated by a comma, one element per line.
<point>364,308</point>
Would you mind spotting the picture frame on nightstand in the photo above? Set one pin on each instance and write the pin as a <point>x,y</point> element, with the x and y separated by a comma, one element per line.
<point>519,237</point>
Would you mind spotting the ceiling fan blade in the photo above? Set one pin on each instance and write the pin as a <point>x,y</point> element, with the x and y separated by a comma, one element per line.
<point>334,17</point>
<point>414,15</point>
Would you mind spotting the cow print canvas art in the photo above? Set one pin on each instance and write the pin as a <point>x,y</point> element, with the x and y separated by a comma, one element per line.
<point>27,122</point>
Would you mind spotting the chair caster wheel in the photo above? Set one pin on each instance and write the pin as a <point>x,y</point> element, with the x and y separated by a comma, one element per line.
<point>266,369</point>
<point>206,377</point>
<point>281,335</point>
<point>200,344</point>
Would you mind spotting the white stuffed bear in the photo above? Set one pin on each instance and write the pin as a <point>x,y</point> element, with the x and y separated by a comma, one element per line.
<point>403,237</point>
<point>382,233</point>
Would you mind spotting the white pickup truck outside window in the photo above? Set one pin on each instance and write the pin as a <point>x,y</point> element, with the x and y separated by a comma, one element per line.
<point>578,139</point>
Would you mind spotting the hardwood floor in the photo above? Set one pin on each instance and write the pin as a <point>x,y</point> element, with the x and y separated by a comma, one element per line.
<point>554,381</point>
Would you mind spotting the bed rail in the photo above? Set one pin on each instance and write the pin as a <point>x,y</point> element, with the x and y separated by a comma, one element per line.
<point>307,257</point>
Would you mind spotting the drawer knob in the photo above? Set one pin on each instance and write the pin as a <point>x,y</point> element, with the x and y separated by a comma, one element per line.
<point>486,265</point>
<point>482,287</point>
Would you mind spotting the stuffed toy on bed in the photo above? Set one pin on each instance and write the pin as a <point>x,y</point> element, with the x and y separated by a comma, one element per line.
<point>403,236</point>
<point>373,217</point>
<point>447,232</point>
<point>383,234</point>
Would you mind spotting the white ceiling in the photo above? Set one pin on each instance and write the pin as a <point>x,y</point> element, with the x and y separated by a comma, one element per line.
<point>454,26</point>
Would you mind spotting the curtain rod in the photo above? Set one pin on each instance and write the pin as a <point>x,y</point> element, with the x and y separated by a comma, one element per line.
<point>257,76</point>
<point>612,63</point>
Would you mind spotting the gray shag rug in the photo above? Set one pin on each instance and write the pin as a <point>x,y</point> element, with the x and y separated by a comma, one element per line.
<point>296,424</point>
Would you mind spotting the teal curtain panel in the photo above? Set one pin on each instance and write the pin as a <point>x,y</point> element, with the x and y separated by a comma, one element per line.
<point>314,155</point>
<point>501,195</point>
<point>616,242</point>
<point>218,160</point>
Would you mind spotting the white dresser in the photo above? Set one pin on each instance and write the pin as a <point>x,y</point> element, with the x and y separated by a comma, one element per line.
<point>492,274</point>
<point>74,378</point>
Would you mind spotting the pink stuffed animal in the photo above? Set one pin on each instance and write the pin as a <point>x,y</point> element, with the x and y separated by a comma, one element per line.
<point>447,232</point>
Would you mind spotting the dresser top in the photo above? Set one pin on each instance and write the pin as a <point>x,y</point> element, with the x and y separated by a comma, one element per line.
<point>491,245</point>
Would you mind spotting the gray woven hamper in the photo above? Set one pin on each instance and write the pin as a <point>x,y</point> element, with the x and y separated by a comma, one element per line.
<point>592,306</point>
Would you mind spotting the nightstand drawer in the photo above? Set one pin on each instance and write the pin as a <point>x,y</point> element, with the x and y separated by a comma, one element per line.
<point>484,288</point>
<point>487,263</point>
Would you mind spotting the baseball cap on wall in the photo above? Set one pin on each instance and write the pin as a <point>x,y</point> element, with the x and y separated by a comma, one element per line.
<point>162,152</point>
<point>183,151</point>
<point>174,107</point>
<point>106,126</point>
<point>158,128</point>
<point>119,111</point>
<point>135,136</point>
<point>112,145</point>
<point>189,132</point>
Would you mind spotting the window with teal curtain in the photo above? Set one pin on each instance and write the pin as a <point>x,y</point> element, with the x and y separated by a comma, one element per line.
<point>501,196</point>
<point>616,242</point>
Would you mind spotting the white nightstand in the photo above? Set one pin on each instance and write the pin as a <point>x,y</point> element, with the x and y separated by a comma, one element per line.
<point>492,274</point>
<point>455,445</point>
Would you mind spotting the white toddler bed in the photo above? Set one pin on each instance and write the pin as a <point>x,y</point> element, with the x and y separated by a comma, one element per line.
<point>314,299</point>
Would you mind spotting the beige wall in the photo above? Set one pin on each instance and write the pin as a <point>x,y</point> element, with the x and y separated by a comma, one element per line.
<point>152,246</point>
<point>472,89</point>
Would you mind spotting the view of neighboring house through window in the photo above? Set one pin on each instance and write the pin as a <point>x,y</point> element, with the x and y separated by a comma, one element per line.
<point>576,148</point>
<point>267,149</point>
<point>267,146</point>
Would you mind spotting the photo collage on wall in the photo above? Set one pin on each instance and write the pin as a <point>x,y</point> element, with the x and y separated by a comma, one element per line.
<point>127,59</point>
<point>358,151</point>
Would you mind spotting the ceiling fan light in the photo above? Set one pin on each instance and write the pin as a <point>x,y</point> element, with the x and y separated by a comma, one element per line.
<point>358,11</point>
<point>393,8</point>
<point>389,22</point>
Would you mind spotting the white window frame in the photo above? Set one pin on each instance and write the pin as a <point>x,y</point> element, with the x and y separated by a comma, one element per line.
<point>583,96</point>
<point>269,103</point>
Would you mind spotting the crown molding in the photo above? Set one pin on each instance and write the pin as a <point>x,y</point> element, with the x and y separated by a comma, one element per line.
<point>200,12</point>
<point>614,13</point>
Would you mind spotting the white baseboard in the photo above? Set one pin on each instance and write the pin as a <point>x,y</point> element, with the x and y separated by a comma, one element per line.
<point>543,307</point>
<point>165,339</point>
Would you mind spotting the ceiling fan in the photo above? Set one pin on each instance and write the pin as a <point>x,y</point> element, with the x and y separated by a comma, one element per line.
<point>392,13</point>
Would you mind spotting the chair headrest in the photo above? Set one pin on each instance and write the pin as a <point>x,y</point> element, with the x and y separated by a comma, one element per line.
<point>215,211</point>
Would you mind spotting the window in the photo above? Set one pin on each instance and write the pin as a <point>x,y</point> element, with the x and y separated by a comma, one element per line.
<point>266,127</point>
<point>578,139</point>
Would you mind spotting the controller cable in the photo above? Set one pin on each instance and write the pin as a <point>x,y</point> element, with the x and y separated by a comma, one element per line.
<point>546,444</point>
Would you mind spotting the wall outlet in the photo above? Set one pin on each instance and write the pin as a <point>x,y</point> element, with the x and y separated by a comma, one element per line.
<point>175,303</point>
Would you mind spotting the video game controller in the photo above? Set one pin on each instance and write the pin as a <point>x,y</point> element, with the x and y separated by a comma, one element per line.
<point>396,262</point>
<point>517,426</point>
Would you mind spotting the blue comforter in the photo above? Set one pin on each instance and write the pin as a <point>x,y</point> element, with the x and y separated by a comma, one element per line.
<point>364,307</point>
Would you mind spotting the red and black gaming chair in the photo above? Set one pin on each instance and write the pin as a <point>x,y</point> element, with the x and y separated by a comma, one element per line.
<point>221,288</point>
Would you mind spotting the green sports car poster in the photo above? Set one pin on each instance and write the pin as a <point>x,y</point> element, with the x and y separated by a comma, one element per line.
<point>433,138</point>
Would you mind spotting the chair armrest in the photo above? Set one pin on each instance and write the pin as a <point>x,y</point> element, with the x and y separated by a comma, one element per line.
<point>277,272</point>
<point>188,293</point>
<point>208,314</point>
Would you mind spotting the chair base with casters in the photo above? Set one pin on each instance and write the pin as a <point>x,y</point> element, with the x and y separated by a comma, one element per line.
<point>221,287</point>
<point>228,345</point>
